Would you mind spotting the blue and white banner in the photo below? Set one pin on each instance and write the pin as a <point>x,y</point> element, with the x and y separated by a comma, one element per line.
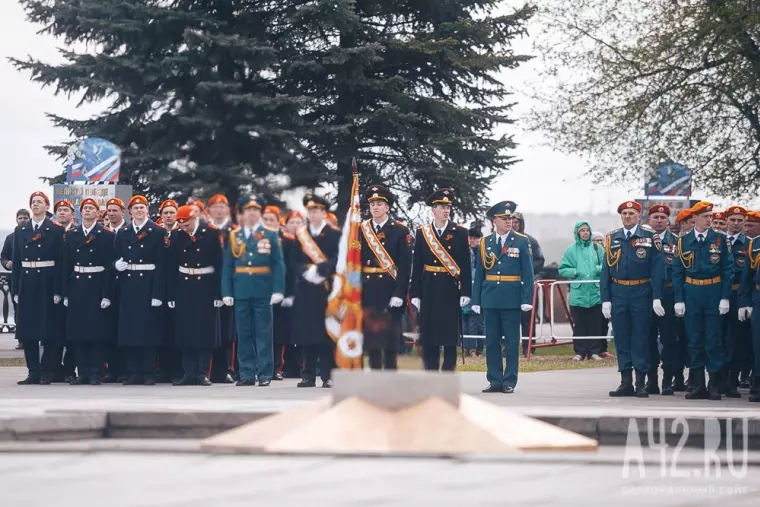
<point>93,160</point>
<point>669,179</point>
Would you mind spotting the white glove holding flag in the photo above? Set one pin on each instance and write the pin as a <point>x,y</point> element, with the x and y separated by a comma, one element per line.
<point>120,265</point>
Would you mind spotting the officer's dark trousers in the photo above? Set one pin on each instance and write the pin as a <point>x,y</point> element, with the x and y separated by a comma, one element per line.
<point>382,359</point>
<point>756,342</point>
<point>141,361</point>
<point>431,357</point>
<point>253,318</point>
<point>196,363</point>
<point>48,365</point>
<point>683,343</point>
<point>703,326</point>
<point>498,324</point>
<point>587,322</point>
<point>90,357</point>
<point>631,325</point>
<point>738,337</point>
<point>322,353</point>
<point>223,361</point>
<point>666,328</point>
<point>69,360</point>
<point>525,329</point>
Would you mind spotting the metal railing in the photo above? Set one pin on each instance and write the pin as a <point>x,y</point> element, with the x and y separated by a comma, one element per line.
<point>551,315</point>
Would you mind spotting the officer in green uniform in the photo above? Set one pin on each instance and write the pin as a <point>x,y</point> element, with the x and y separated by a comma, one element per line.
<point>749,301</point>
<point>253,279</point>
<point>702,275</point>
<point>503,288</point>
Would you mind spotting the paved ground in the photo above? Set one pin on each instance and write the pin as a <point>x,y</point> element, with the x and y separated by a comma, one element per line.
<point>188,480</point>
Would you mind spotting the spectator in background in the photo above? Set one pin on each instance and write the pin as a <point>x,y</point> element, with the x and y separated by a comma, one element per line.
<point>472,323</point>
<point>583,261</point>
<point>6,255</point>
<point>518,224</point>
<point>598,238</point>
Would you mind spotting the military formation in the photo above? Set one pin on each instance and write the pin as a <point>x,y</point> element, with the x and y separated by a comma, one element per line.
<point>681,297</point>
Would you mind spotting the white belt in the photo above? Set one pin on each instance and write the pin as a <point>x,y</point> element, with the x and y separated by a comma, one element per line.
<point>37,264</point>
<point>89,269</point>
<point>196,271</point>
<point>141,267</point>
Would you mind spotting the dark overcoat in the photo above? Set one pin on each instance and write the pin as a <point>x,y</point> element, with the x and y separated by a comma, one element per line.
<point>196,320</point>
<point>140,324</point>
<point>283,316</point>
<point>227,313</point>
<point>439,292</point>
<point>35,287</point>
<point>86,320</point>
<point>380,323</point>
<point>310,301</point>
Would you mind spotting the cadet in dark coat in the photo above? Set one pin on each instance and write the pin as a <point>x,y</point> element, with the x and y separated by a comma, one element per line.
<point>194,291</point>
<point>141,250</point>
<point>386,267</point>
<point>749,302</point>
<point>292,357</point>
<point>36,288</point>
<point>224,359</point>
<point>115,361</point>
<point>313,262</point>
<point>64,217</point>
<point>441,282</point>
<point>169,360</point>
<point>87,286</point>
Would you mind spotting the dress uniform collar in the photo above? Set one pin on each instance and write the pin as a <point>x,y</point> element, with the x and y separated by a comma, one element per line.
<point>36,225</point>
<point>86,231</point>
<point>223,224</point>
<point>375,225</point>
<point>195,229</point>
<point>120,226</point>
<point>316,232</point>
<point>633,231</point>
<point>737,237</point>
<point>138,228</point>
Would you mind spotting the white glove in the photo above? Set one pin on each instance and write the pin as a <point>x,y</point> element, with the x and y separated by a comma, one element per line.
<point>464,301</point>
<point>475,309</point>
<point>105,303</point>
<point>311,275</point>
<point>680,309</point>
<point>56,300</point>
<point>416,303</point>
<point>66,302</point>
<point>120,265</point>
<point>218,303</point>
<point>526,308</point>
<point>607,310</point>
<point>276,298</point>
<point>395,302</point>
<point>171,304</point>
<point>658,309</point>
<point>155,303</point>
<point>228,301</point>
<point>15,298</point>
<point>288,302</point>
<point>743,313</point>
<point>723,306</point>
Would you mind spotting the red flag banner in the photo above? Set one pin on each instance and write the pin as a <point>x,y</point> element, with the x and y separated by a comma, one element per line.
<point>343,318</point>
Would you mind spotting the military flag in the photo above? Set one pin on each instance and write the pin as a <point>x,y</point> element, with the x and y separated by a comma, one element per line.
<point>343,318</point>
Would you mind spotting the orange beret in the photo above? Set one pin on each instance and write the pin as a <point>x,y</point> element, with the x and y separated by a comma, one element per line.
<point>218,199</point>
<point>115,202</point>
<point>701,207</point>
<point>658,208</point>
<point>138,199</point>
<point>683,215</point>
<point>736,210</point>
<point>39,194</point>
<point>65,203</point>
<point>198,203</point>
<point>159,221</point>
<point>272,209</point>
<point>753,216</point>
<point>168,204</point>
<point>719,215</point>
<point>185,213</point>
<point>629,205</point>
<point>293,214</point>
<point>90,201</point>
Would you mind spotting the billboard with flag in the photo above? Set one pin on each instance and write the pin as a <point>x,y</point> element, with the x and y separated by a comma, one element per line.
<point>669,179</point>
<point>93,160</point>
<point>343,318</point>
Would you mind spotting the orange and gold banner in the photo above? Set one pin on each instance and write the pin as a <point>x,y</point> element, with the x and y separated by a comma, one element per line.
<point>343,318</point>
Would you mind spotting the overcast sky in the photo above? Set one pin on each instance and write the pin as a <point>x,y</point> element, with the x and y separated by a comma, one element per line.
<point>544,180</point>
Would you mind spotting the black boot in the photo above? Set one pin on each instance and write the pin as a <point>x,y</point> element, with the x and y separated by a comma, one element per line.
<point>693,381</point>
<point>652,386</point>
<point>626,385</point>
<point>713,387</point>
<point>732,385</point>
<point>641,391</point>
<point>667,383</point>
<point>679,385</point>
<point>699,391</point>
<point>754,394</point>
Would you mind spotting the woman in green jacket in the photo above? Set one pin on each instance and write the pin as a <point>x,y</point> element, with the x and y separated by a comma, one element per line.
<point>583,261</point>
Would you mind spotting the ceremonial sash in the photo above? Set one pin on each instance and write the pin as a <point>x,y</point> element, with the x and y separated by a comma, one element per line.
<point>377,248</point>
<point>309,246</point>
<point>441,254</point>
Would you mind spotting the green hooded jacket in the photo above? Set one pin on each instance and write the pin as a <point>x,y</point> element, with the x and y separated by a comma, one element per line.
<point>583,261</point>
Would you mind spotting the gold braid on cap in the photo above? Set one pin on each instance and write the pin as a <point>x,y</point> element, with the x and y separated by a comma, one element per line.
<point>488,259</point>
<point>240,250</point>
<point>612,259</point>
<point>686,261</point>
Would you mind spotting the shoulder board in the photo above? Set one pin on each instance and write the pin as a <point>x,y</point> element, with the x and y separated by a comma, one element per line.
<point>520,234</point>
<point>719,232</point>
<point>615,231</point>
<point>647,227</point>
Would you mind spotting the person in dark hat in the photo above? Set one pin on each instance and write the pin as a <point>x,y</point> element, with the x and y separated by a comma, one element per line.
<point>313,262</point>
<point>503,286</point>
<point>386,266</point>
<point>441,282</point>
<point>472,323</point>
